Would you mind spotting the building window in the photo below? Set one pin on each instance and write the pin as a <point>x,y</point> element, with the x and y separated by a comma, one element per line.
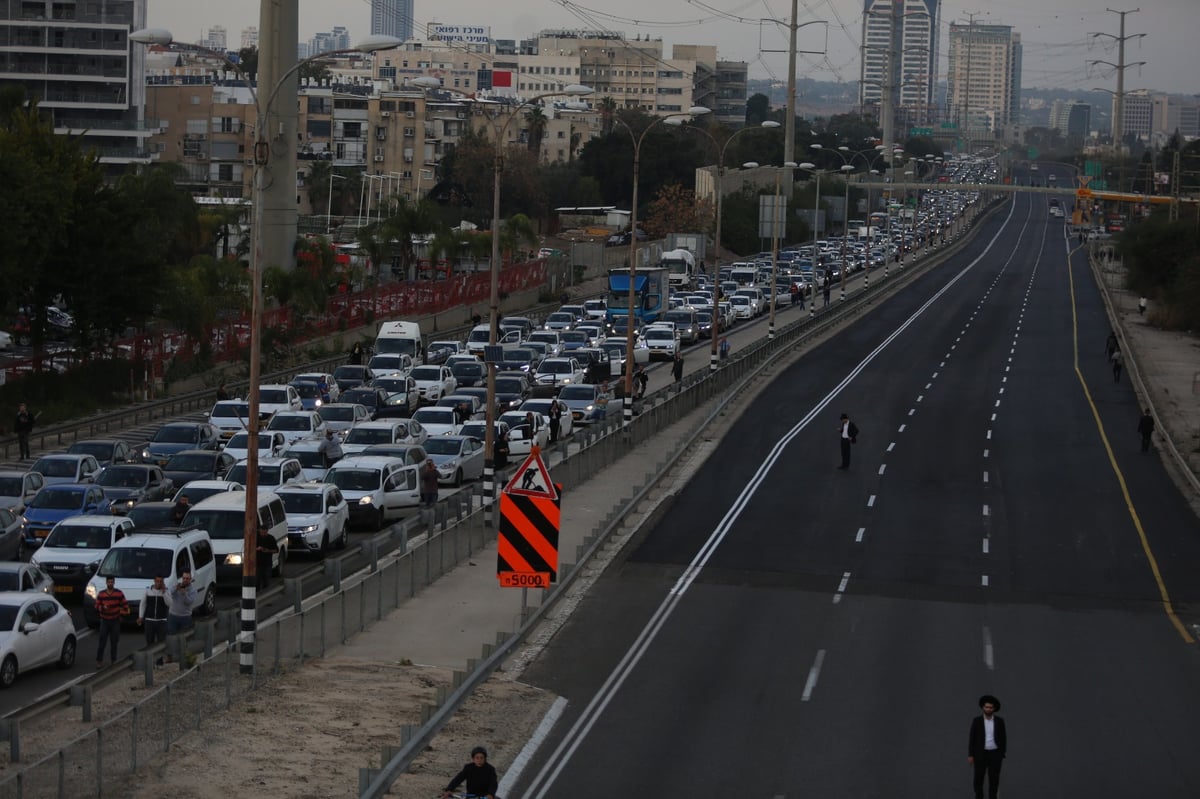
<point>225,172</point>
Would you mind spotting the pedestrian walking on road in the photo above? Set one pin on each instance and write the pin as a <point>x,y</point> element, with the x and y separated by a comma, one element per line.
<point>987,743</point>
<point>23,426</point>
<point>180,602</point>
<point>1110,344</point>
<point>1146,429</point>
<point>825,293</point>
<point>153,611</point>
<point>1118,360</point>
<point>111,605</point>
<point>267,548</point>
<point>677,368</point>
<point>724,348</point>
<point>555,420</point>
<point>356,354</point>
<point>1142,306</point>
<point>847,435</point>
<point>429,483</point>
<point>640,381</point>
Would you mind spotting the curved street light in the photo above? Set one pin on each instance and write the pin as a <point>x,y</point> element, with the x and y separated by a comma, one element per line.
<point>489,443</point>
<point>769,124</point>
<point>262,159</point>
<point>693,112</point>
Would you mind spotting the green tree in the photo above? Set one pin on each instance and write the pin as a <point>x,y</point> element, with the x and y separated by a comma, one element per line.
<point>315,70</point>
<point>1163,258</point>
<point>537,120</point>
<point>248,60</point>
<point>758,109</point>
<point>608,115</point>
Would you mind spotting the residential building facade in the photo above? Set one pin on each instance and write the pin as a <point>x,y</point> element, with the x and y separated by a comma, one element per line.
<point>392,18</point>
<point>900,51</point>
<point>984,79</point>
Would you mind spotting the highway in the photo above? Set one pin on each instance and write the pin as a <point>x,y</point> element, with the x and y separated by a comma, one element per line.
<point>789,629</point>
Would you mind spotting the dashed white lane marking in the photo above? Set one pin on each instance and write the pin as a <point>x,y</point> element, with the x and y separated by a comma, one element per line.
<point>814,674</point>
<point>871,501</point>
<point>993,417</point>
<point>920,397</point>
<point>837,597</point>
<point>912,411</point>
<point>935,374</point>
<point>858,538</point>
<point>989,653</point>
<point>984,581</point>
<point>891,446</point>
<point>882,468</point>
<point>927,386</point>
<point>901,430</point>
<point>985,452</point>
<point>985,476</point>
<point>997,405</point>
<point>989,435</point>
<point>1002,389</point>
<point>986,510</point>
<point>986,546</point>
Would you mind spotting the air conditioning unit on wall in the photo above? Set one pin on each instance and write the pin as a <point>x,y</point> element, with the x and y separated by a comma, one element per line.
<point>378,158</point>
<point>385,114</point>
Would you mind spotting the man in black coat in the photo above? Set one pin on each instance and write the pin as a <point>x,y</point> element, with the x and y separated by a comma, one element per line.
<point>986,746</point>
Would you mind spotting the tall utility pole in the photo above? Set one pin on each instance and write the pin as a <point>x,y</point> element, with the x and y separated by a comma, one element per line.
<point>1118,134</point>
<point>789,123</point>
<point>278,32</point>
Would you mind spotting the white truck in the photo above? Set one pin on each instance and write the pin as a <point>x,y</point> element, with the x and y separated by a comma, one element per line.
<point>400,338</point>
<point>681,268</point>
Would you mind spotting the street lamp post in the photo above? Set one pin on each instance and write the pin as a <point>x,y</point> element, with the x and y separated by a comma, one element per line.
<point>489,442</point>
<point>811,167</point>
<point>630,340</point>
<point>262,159</point>
<point>775,216</point>
<point>714,357</point>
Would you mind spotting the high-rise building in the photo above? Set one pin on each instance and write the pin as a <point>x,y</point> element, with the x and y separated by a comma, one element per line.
<point>392,18</point>
<point>1072,119</point>
<point>324,42</point>
<point>249,37</point>
<point>83,71</point>
<point>216,39</point>
<point>984,78</point>
<point>904,35</point>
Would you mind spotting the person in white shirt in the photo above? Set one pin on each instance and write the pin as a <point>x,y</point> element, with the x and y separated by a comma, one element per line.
<point>987,744</point>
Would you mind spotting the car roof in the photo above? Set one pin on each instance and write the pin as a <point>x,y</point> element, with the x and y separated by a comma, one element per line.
<point>73,456</point>
<point>91,520</point>
<point>366,462</point>
<point>67,486</point>
<point>268,460</point>
<point>20,597</point>
<point>304,488</point>
<point>12,565</point>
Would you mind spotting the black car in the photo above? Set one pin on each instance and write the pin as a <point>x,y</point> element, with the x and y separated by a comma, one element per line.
<point>469,374</point>
<point>402,394</point>
<point>350,376</point>
<point>511,391</point>
<point>379,402</point>
<point>127,484</point>
<point>106,451</point>
<point>198,464</point>
<point>517,358</point>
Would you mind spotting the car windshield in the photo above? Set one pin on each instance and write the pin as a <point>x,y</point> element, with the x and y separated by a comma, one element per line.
<point>122,477</point>
<point>428,373</point>
<point>332,413</point>
<point>475,430</point>
<point>10,486</point>
<point>367,398</point>
<point>659,334</point>
<point>435,415</point>
<point>384,362</point>
<point>308,390</point>
<point>195,494</point>
<point>309,458</point>
<point>242,440</point>
<point>308,502</point>
<point>348,372</point>
<point>79,536</point>
<point>391,384</point>
<point>479,335</point>
<point>189,462</point>
<point>234,410</point>
<point>268,475</point>
<point>369,435</point>
<point>509,385</point>
<point>467,370</point>
<point>547,336</point>
<point>560,318</point>
<point>96,449</point>
<point>273,396</point>
<point>175,434</point>
<point>155,514</point>
<point>354,479</point>
<point>289,422</point>
<point>556,367</point>
<point>142,563</point>
<point>440,445</point>
<point>57,500</point>
<point>225,525</point>
<point>577,393</point>
<point>54,467</point>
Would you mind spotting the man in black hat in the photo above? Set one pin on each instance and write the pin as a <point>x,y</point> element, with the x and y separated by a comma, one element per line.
<point>986,745</point>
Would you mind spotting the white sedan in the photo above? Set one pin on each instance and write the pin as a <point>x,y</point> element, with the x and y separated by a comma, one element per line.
<point>434,382</point>
<point>559,372</point>
<point>542,406</point>
<point>297,425</point>
<point>457,458</point>
<point>438,421</point>
<point>35,630</point>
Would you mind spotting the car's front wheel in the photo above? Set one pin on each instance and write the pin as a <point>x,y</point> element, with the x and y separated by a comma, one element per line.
<point>210,602</point>
<point>8,672</point>
<point>66,658</point>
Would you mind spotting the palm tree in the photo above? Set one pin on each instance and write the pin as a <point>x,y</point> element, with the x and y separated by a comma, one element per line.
<point>517,229</point>
<point>608,112</point>
<point>406,220</point>
<point>537,130</point>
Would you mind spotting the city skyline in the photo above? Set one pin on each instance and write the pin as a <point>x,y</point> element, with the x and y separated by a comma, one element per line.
<point>1056,34</point>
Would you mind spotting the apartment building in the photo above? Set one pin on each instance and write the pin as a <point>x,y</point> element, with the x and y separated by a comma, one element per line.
<point>984,79</point>
<point>900,51</point>
<point>75,59</point>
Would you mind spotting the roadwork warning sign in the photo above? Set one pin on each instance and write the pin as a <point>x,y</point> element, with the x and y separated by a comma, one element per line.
<point>527,551</point>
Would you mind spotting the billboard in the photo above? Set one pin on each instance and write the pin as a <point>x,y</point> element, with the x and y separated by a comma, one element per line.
<point>468,34</point>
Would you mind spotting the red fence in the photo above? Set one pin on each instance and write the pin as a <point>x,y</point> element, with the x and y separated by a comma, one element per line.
<point>228,341</point>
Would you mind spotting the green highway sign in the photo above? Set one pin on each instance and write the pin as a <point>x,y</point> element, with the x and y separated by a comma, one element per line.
<point>920,131</point>
<point>1033,152</point>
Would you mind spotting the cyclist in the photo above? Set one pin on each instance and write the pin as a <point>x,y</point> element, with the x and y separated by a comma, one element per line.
<point>479,775</point>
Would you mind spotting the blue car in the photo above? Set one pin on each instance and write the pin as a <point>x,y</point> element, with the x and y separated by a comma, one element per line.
<point>175,437</point>
<point>312,396</point>
<point>53,503</point>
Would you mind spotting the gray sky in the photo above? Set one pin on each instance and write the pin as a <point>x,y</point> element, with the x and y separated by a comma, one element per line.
<point>1056,34</point>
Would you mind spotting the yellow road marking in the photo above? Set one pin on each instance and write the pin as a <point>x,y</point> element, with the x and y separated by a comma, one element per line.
<point>1133,514</point>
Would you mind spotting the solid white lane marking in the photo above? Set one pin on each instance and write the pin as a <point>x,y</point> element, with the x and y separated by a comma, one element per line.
<point>858,538</point>
<point>512,775</point>
<point>813,675</point>
<point>989,655</point>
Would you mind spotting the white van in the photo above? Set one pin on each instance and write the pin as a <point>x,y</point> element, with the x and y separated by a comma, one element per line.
<point>400,338</point>
<point>223,516</point>
<point>73,550</point>
<point>378,488</point>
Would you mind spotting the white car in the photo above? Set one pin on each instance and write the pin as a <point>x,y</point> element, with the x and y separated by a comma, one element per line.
<point>438,421</point>
<point>298,425</point>
<point>35,630</point>
<point>312,460</point>
<point>318,517</point>
<point>559,372</point>
<point>274,398</point>
<point>391,363</point>
<point>542,406</point>
<point>340,417</point>
<point>551,339</point>
<point>743,307</point>
<point>229,417</point>
<point>270,442</point>
<point>200,490</point>
<point>662,342</point>
<point>520,435</point>
<point>273,472</point>
<point>17,488</point>
<point>73,550</point>
<point>63,468</point>
<point>457,458</point>
<point>434,382</point>
<point>384,431</point>
<point>377,488</point>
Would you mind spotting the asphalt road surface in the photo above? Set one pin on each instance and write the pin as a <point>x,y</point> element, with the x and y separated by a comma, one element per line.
<point>790,629</point>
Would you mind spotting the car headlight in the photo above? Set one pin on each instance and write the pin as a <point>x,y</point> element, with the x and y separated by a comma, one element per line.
<point>93,566</point>
<point>367,500</point>
<point>233,559</point>
<point>312,528</point>
<point>90,591</point>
